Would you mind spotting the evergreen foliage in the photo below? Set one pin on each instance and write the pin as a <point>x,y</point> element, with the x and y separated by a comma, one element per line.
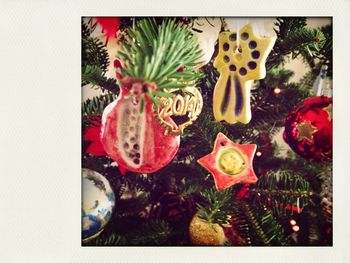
<point>95,76</point>
<point>258,226</point>
<point>282,189</point>
<point>154,53</point>
<point>94,107</point>
<point>95,61</point>
<point>156,209</point>
<point>218,208</point>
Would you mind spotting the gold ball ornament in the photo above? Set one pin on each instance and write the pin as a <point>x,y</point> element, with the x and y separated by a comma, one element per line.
<point>203,233</point>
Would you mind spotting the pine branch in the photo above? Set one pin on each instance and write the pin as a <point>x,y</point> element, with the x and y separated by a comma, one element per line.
<point>218,206</point>
<point>258,226</point>
<point>181,178</point>
<point>94,53</point>
<point>326,52</point>
<point>203,131</point>
<point>287,24</point>
<point>293,38</point>
<point>317,228</point>
<point>133,206</point>
<point>154,54</point>
<point>95,61</point>
<point>280,189</point>
<point>138,182</point>
<point>109,240</point>
<point>152,233</point>
<point>95,76</point>
<point>95,107</point>
<point>303,38</point>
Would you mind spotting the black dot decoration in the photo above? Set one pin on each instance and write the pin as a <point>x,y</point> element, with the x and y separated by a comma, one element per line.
<point>244,36</point>
<point>252,65</point>
<point>233,68</point>
<point>252,44</point>
<point>233,37</point>
<point>255,54</point>
<point>242,71</point>
<point>226,46</point>
<point>226,59</point>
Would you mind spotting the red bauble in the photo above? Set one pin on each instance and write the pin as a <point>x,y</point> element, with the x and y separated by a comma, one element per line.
<point>132,136</point>
<point>308,129</point>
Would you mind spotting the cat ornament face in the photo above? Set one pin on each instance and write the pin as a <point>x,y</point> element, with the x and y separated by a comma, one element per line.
<point>240,60</point>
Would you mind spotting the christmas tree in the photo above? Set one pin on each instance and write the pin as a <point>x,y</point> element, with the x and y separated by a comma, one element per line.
<point>180,203</point>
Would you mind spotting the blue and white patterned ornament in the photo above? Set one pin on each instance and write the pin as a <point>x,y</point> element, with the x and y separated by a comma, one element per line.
<point>97,204</point>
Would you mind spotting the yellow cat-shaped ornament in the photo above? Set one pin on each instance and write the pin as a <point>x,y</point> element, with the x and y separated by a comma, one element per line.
<point>238,68</point>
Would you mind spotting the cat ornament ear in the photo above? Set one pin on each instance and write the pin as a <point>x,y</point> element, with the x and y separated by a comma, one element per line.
<point>240,60</point>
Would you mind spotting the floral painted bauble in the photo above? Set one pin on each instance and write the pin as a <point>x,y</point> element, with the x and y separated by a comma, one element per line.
<point>132,136</point>
<point>203,233</point>
<point>97,204</point>
<point>308,129</point>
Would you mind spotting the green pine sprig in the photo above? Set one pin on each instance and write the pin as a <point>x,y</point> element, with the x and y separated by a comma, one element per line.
<point>218,206</point>
<point>280,189</point>
<point>94,52</point>
<point>94,75</point>
<point>154,53</point>
<point>295,39</point>
<point>258,226</point>
<point>95,106</point>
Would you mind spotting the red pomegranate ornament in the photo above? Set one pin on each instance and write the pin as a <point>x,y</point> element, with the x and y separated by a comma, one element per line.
<point>130,133</point>
<point>308,129</point>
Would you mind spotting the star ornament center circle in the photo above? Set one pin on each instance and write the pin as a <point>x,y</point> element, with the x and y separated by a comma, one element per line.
<point>231,161</point>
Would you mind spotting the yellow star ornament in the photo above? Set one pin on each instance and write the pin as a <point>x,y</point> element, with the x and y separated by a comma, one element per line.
<point>230,163</point>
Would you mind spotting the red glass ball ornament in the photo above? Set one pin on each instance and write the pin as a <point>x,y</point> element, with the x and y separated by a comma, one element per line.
<point>308,129</point>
